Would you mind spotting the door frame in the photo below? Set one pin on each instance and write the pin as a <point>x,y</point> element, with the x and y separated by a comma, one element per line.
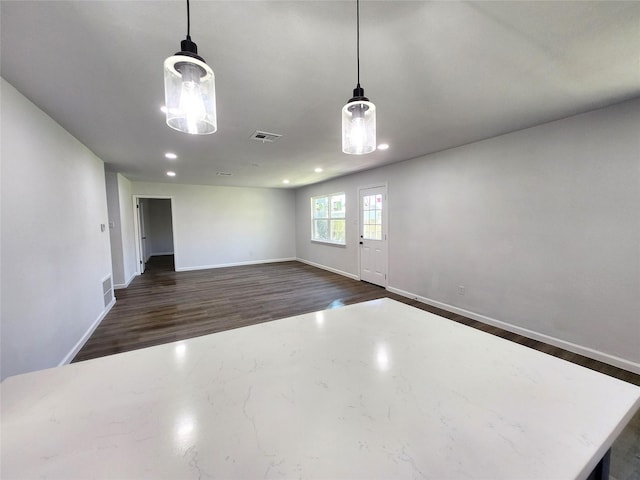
<point>137,229</point>
<point>385,227</point>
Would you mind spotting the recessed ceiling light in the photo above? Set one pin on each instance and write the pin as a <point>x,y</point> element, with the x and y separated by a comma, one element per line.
<point>383,146</point>
<point>171,174</point>
<point>171,156</point>
<point>318,170</point>
<point>285,181</point>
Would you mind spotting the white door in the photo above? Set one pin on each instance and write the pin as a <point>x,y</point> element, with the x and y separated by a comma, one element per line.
<point>373,235</point>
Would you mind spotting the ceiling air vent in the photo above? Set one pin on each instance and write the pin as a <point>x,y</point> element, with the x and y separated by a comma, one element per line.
<point>265,137</point>
<point>224,174</point>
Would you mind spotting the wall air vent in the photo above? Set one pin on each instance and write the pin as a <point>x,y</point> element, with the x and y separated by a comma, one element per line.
<point>265,137</point>
<point>224,174</point>
<point>107,290</point>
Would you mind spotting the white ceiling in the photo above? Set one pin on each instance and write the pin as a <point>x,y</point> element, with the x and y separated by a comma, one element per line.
<point>441,74</point>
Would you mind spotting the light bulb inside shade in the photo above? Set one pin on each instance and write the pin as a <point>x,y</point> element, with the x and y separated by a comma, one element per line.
<point>190,95</point>
<point>191,101</point>
<point>357,134</point>
<point>358,127</point>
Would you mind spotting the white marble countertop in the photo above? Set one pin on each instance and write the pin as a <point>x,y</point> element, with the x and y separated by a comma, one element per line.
<point>374,390</point>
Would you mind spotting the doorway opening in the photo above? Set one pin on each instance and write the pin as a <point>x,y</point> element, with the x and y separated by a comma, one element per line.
<point>154,232</point>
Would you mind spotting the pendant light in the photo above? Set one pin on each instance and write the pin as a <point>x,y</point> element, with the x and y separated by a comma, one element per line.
<point>359,114</point>
<point>189,89</point>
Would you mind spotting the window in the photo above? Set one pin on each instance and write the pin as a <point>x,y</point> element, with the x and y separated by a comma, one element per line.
<point>328,222</point>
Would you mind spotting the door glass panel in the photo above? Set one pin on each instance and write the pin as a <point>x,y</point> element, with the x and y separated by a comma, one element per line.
<point>372,217</point>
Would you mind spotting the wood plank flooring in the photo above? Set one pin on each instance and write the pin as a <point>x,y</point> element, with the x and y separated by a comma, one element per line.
<point>164,306</point>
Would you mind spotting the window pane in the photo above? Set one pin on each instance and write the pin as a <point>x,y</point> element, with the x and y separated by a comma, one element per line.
<point>321,229</point>
<point>337,206</point>
<point>378,234</point>
<point>328,215</point>
<point>338,231</point>
<point>320,209</point>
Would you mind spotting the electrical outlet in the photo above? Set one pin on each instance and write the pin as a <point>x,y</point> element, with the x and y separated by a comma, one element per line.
<point>460,289</point>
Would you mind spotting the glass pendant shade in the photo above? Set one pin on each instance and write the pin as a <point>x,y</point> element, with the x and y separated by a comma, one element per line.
<point>190,94</point>
<point>359,126</point>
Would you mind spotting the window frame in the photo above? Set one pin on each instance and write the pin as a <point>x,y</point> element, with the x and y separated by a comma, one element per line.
<point>328,218</point>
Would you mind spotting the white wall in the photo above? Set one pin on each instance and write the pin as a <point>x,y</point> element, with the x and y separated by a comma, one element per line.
<point>54,254</point>
<point>115,227</point>
<point>119,204</point>
<point>217,226</point>
<point>160,232</point>
<point>338,258</point>
<point>541,226</point>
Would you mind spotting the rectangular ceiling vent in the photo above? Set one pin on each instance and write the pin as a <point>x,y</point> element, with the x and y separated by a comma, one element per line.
<point>224,174</point>
<point>265,137</point>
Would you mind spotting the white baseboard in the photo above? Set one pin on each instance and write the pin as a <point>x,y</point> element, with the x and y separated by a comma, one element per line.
<point>119,286</point>
<point>235,264</point>
<point>556,342</point>
<point>332,270</point>
<point>74,351</point>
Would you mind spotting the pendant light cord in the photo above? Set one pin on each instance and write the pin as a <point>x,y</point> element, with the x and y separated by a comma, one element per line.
<point>188,22</point>
<point>357,37</point>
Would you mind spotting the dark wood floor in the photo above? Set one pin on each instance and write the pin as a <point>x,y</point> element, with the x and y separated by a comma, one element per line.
<point>164,306</point>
